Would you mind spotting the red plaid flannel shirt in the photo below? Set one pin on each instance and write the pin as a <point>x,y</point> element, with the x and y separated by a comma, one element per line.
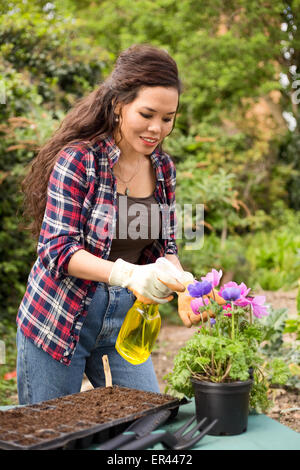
<point>81,190</point>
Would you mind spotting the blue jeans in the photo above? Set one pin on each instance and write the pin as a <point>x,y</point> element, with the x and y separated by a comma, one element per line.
<point>41,378</point>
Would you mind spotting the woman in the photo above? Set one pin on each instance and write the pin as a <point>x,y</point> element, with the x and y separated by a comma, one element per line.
<point>107,149</point>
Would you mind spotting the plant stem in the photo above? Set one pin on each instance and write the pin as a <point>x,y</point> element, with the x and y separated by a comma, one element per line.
<point>208,316</point>
<point>227,370</point>
<point>219,368</point>
<point>232,322</point>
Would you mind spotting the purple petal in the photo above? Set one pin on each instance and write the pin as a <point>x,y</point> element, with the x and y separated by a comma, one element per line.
<point>259,310</point>
<point>228,284</point>
<point>244,289</point>
<point>197,303</point>
<point>198,289</point>
<point>213,277</point>
<point>231,293</point>
<point>242,301</point>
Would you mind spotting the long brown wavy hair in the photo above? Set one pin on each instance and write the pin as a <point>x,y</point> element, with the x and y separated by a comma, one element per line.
<point>93,118</point>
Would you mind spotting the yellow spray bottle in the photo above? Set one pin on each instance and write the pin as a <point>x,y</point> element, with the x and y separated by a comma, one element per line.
<point>141,326</point>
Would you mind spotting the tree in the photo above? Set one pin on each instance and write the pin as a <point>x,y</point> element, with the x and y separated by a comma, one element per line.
<point>43,70</point>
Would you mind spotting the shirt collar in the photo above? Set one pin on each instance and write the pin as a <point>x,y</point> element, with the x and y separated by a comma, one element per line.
<point>114,151</point>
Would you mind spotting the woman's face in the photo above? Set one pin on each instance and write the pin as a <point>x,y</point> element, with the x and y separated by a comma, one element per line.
<point>147,120</point>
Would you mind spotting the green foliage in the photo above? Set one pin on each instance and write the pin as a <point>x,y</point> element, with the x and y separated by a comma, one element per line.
<point>276,325</point>
<point>266,259</point>
<point>8,388</point>
<point>275,372</point>
<point>39,40</point>
<point>293,324</point>
<point>238,47</point>
<point>290,155</point>
<point>274,256</point>
<point>43,70</point>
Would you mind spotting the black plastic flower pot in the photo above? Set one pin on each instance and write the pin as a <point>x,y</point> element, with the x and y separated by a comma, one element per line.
<point>226,402</point>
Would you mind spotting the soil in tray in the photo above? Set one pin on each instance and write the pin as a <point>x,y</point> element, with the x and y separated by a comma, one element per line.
<point>72,413</point>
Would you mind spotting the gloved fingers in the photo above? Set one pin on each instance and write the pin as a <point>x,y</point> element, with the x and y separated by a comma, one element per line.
<point>145,282</point>
<point>189,318</point>
<point>167,267</point>
<point>168,281</point>
<point>186,313</point>
<point>185,318</point>
<point>168,271</point>
<point>142,298</point>
<point>162,300</point>
<point>148,296</point>
<point>195,319</point>
<point>203,317</point>
<point>188,278</point>
<point>174,286</point>
<point>159,289</point>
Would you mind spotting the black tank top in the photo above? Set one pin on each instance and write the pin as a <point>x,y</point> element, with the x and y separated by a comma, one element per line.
<point>138,225</point>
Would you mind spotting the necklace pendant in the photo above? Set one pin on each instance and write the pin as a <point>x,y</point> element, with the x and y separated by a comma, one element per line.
<point>126,191</point>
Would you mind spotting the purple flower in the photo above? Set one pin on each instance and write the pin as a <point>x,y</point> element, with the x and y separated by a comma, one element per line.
<point>212,321</point>
<point>198,289</point>
<point>231,293</point>
<point>213,277</point>
<point>243,288</point>
<point>197,303</point>
<point>242,301</point>
<point>258,305</point>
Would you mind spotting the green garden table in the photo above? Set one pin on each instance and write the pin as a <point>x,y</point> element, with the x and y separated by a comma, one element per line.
<point>263,433</point>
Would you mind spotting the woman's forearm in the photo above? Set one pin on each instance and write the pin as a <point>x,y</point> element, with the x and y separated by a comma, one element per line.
<point>86,266</point>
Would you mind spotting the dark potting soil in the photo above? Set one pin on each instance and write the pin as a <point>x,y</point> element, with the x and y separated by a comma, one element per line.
<point>29,424</point>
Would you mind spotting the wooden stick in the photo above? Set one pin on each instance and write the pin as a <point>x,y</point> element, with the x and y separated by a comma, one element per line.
<point>108,381</point>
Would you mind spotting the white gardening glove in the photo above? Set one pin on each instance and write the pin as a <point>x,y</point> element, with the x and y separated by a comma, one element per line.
<point>146,279</point>
<point>184,277</point>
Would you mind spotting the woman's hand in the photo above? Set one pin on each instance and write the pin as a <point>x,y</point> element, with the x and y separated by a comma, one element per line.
<point>186,313</point>
<point>149,280</point>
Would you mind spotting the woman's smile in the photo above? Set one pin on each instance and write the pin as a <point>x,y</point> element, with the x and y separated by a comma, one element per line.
<point>149,141</point>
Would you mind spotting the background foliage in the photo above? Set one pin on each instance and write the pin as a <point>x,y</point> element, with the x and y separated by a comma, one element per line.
<point>234,149</point>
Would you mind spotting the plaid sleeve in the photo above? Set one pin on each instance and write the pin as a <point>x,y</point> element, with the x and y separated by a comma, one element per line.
<point>60,235</point>
<point>170,181</point>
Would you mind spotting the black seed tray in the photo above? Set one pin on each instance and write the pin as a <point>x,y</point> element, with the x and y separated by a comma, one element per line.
<point>85,433</point>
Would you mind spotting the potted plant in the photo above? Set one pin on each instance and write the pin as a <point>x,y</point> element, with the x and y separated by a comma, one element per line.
<point>221,364</point>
